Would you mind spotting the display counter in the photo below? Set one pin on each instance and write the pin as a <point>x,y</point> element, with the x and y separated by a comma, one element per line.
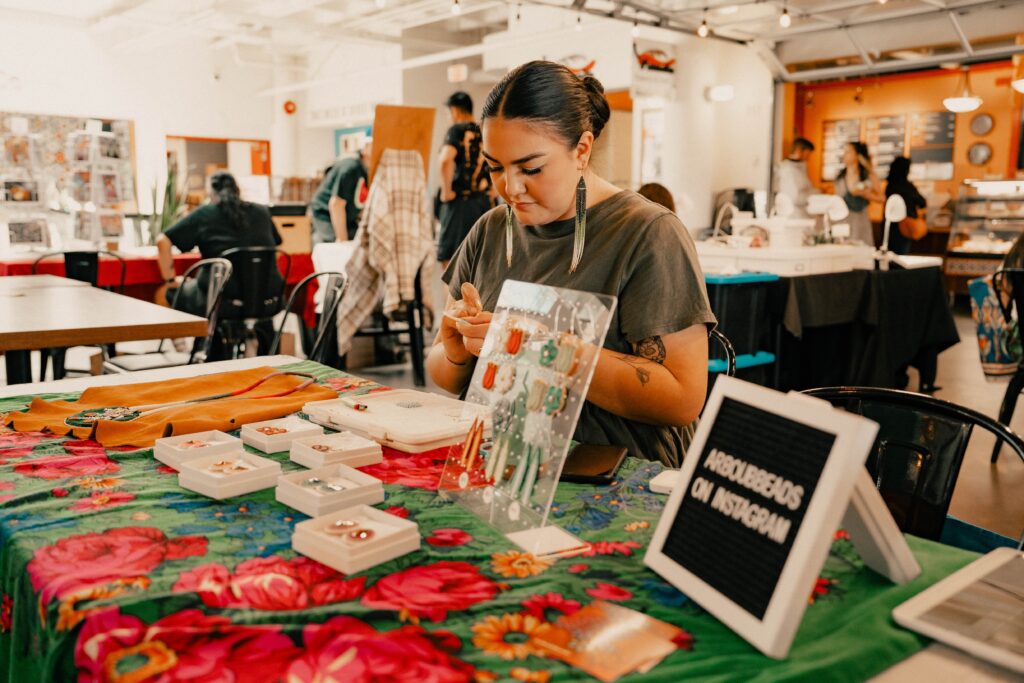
<point>989,218</point>
<point>716,257</point>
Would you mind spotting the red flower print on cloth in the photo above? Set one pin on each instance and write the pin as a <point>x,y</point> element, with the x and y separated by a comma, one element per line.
<point>270,583</point>
<point>398,511</point>
<point>6,486</point>
<point>6,610</point>
<point>578,568</point>
<point>431,590</point>
<point>346,650</point>
<point>100,501</point>
<point>165,469</point>
<point>606,591</point>
<point>448,537</point>
<point>415,470</point>
<point>59,492</point>
<point>187,646</point>
<point>78,561</point>
<point>684,640</point>
<point>549,606</point>
<point>611,548</point>
<point>66,466</point>
<point>28,440</point>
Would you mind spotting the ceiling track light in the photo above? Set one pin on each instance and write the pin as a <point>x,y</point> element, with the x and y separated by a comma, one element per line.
<point>703,30</point>
<point>380,3</point>
<point>579,22</point>
<point>519,12</point>
<point>636,29</point>
<point>784,19</point>
<point>456,7</point>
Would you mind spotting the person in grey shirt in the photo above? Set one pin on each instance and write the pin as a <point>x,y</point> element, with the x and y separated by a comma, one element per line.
<point>539,127</point>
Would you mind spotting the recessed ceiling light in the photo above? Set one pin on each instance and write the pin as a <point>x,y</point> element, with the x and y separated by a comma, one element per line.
<point>728,9</point>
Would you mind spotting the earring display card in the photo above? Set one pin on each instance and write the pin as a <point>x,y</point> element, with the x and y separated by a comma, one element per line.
<point>227,476</point>
<point>403,419</point>
<point>328,489</point>
<point>533,374</point>
<point>343,448</point>
<point>274,436</point>
<point>356,538</point>
<point>175,450</point>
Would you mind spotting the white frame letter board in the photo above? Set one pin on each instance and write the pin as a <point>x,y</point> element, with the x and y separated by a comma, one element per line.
<point>765,484</point>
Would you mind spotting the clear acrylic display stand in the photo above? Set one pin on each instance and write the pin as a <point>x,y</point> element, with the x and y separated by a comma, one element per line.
<point>533,373</point>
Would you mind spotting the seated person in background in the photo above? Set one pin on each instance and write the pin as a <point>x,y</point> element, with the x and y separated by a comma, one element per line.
<point>899,183</point>
<point>658,194</point>
<point>539,126</point>
<point>223,224</point>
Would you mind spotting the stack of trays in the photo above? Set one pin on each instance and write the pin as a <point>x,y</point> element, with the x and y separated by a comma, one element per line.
<point>226,476</point>
<point>324,490</point>
<point>274,436</point>
<point>356,538</point>
<point>341,448</point>
<point>175,450</point>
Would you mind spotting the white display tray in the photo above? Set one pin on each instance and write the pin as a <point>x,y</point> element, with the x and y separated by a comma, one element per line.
<point>393,538</point>
<point>406,420</point>
<point>346,448</point>
<point>315,502</point>
<point>275,443</point>
<point>169,451</point>
<point>785,261</point>
<point>195,475</point>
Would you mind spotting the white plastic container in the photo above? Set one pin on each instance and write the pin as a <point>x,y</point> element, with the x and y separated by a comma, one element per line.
<point>227,476</point>
<point>174,450</point>
<point>270,440</point>
<point>330,449</point>
<point>406,420</point>
<point>325,541</point>
<point>328,489</point>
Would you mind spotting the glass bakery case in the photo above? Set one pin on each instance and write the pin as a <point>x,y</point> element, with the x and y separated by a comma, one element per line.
<point>989,217</point>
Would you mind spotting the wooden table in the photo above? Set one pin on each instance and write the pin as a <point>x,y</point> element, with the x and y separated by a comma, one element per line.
<point>74,315</point>
<point>18,285</point>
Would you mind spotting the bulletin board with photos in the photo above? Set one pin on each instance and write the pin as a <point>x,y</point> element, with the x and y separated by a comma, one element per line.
<point>65,150</point>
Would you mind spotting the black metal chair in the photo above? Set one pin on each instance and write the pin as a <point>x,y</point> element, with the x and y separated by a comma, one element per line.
<point>920,447</point>
<point>216,272</point>
<point>1015,278</point>
<point>319,342</point>
<point>83,266</point>
<point>253,296</point>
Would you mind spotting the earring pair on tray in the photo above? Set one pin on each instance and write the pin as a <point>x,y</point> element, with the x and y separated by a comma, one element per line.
<point>349,530</point>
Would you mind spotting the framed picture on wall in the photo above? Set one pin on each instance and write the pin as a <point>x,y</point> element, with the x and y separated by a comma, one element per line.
<point>80,186</point>
<point>29,232</point>
<point>80,147</point>
<point>111,225</point>
<point>20,191</point>
<point>85,227</point>
<point>108,147</point>
<point>109,187</point>
<point>18,150</point>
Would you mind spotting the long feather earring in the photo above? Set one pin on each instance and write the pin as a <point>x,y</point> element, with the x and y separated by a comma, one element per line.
<point>508,235</point>
<point>580,236</point>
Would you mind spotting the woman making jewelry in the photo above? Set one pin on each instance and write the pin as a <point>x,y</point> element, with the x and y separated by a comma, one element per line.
<point>566,227</point>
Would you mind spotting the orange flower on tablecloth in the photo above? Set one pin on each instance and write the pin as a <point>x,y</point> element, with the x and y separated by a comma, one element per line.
<point>68,614</point>
<point>101,501</point>
<point>529,675</point>
<point>510,636</point>
<point>518,564</point>
<point>98,482</point>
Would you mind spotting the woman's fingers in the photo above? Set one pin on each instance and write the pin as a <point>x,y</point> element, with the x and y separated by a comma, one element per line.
<point>471,298</point>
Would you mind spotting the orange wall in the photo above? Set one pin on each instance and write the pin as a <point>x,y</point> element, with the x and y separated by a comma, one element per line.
<point>918,92</point>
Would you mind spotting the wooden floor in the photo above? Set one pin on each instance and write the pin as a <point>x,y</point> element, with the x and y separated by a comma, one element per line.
<point>991,496</point>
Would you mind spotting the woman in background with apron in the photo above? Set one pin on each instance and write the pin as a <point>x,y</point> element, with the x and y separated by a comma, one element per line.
<point>858,185</point>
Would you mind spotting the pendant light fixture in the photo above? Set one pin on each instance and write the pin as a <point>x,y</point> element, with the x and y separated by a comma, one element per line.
<point>704,30</point>
<point>784,19</point>
<point>964,100</point>
<point>636,29</point>
<point>456,7</point>
<point>579,22</point>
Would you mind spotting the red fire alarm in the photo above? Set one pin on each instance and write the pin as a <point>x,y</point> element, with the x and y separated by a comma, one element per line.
<point>289,107</point>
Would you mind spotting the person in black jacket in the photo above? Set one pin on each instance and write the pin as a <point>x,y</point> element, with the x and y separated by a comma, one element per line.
<point>899,183</point>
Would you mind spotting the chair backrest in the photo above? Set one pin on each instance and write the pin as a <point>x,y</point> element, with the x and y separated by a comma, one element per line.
<point>216,272</point>
<point>84,266</point>
<point>256,287</point>
<point>727,349</point>
<point>1009,281</point>
<point>316,341</point>
<point>920,447</point>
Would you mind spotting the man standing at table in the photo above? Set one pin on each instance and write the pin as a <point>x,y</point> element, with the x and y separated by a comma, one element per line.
<point>339,200</point>
<point>465,187</point>
<point>791,176</point>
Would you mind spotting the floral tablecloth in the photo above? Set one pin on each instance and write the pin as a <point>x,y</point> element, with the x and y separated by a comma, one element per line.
<point>111,572</point>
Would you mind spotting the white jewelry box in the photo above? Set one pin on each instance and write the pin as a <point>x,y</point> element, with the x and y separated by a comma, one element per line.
<point>295,428</point>
<point>226,476</point>
<point>174,450</point>
<point>325,540</point>
<point>403,419</point>
<point>328,489</point>
<point>341,448</point>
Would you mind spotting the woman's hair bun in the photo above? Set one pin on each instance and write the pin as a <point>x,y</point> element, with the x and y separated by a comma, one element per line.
<point>601,112</point>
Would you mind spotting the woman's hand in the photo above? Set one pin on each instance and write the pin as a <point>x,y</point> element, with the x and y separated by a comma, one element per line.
<point>468,309</point>
<point>474,330</point>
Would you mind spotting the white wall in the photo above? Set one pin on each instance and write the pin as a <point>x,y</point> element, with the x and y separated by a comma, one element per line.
<point>64,68</point>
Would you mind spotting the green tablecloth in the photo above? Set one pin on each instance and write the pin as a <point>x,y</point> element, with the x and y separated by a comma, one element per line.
<point>110,571</point>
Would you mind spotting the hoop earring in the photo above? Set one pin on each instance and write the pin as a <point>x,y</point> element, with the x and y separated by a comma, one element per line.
<point>508,235</point>
<point>580,236</point>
